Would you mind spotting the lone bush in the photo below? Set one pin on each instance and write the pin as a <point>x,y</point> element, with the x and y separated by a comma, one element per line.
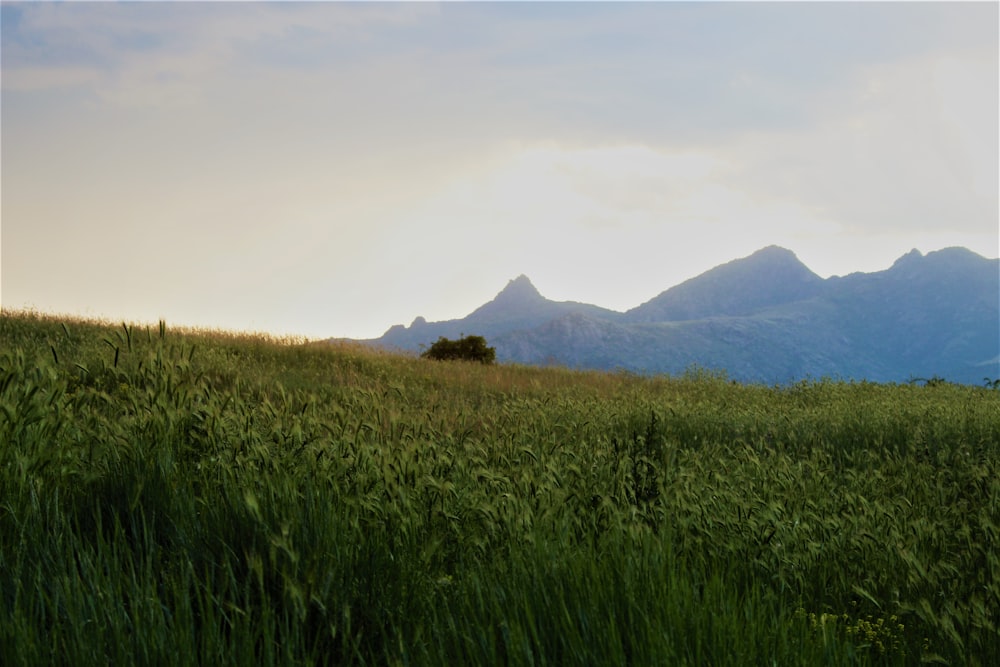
<point>467,348</point>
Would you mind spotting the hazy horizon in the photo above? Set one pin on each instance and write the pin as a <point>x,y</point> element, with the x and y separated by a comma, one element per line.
<point>333,169</point>
<point>486,298</point>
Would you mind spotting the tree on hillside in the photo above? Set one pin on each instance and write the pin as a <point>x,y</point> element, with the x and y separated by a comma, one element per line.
<point>467,348</point>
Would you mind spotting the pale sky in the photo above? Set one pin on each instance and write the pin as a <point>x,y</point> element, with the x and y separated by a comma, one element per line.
<point>329,169</point>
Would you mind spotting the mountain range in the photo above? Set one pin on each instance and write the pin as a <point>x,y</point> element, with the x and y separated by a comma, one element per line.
<point>763,318</point>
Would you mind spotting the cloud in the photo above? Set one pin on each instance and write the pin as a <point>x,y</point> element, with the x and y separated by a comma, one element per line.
<point>34,78</point>
<point>910,145</point>
<point>430,152</point>
<point>151,54</point>
<point>672,74</point>
<point>608,224</point>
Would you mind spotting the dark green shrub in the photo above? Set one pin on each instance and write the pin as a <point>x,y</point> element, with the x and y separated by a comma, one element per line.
<point>467,348</point>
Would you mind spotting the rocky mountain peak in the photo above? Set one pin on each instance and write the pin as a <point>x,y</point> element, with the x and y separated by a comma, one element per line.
<point>769,277</point>
<point>519,291</point>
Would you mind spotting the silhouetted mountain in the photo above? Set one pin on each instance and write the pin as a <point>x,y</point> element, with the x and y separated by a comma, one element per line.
<point>517,295</point>
<point>518,306</point>
<point>768,277</point>
<point>937,314</point>
<point>764,318</point>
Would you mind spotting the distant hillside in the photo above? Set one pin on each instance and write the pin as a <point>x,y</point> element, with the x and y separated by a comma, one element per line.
<point>763,318</point>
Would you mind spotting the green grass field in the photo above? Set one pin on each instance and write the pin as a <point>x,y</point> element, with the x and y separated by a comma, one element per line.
<point>171,497</point>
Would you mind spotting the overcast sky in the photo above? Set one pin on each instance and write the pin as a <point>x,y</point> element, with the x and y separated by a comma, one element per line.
<point>328,169</point>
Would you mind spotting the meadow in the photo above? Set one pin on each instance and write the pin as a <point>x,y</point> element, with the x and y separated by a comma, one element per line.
<point>197,497</point>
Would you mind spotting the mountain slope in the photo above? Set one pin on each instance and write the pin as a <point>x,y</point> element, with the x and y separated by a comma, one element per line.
<point>756,349</point>
<point>518,306</point>
<point>771,276</point>
<point>763,318</point>
<point>937,314</point>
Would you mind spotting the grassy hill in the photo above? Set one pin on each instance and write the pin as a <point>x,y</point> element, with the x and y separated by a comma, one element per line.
<point>171,497</point>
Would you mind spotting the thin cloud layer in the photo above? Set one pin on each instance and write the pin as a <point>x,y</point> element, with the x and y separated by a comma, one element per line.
<point>334,168</point>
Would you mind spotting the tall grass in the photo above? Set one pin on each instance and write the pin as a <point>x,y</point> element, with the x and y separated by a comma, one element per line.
<point>194,497</point>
